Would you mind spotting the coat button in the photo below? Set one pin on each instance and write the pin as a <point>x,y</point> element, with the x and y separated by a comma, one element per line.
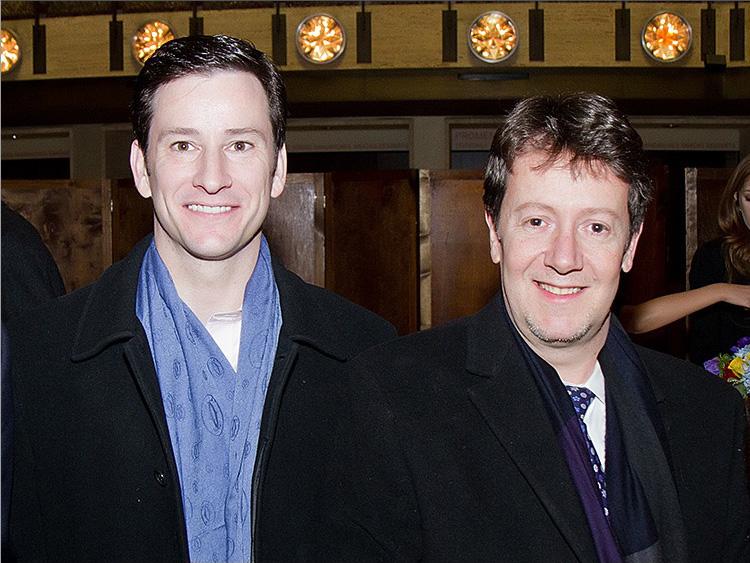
<point>160,478</point>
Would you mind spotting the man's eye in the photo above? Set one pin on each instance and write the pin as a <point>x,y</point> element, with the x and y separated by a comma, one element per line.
<point>598,228</point>
<point>181,146</point>
<point>535,222</point>
<point>240,146</point>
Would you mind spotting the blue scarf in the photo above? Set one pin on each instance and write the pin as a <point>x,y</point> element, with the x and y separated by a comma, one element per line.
<point>644,524</point>
<point>213,413</point>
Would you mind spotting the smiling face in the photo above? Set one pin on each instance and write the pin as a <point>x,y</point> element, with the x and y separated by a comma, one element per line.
<point>561,240</point>
<point>211,167</point>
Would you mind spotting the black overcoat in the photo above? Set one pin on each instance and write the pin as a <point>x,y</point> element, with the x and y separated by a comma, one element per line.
<point>449,455</point>
<point>95,474</point>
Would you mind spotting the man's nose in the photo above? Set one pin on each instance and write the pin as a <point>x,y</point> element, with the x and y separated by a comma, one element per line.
<point>211,174</point>
<point>564,252</point>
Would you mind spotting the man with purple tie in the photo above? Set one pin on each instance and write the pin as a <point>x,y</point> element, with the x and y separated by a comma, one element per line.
<point>535,430</point>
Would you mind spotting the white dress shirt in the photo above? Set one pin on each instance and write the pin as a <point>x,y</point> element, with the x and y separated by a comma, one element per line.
<point>226,329</point>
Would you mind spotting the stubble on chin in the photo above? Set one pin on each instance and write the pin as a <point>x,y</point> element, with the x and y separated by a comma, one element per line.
<point>543,336</point>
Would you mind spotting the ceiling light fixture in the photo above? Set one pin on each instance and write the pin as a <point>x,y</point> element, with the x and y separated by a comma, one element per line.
<point>149,37</point>
<point>666,37</point>
<point>10,50</point>
<point>320,39</point>
<point>493,37</point>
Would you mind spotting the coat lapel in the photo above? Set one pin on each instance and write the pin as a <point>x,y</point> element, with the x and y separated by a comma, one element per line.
<point>510,403</point>
<point>306,321</point>
<point>108,319</point>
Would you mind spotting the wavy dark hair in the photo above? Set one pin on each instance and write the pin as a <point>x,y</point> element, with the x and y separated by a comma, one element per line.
<point>203,54</point>
<point>586,129</point>
<point>735,233</point>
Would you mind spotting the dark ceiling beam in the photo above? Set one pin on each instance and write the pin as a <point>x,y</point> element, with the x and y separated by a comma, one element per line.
<point>106,100</point>
<point>13,10</point>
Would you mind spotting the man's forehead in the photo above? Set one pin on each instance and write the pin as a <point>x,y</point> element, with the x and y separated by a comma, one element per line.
<point>219,93</point>
<point>537,178</point>
<point>538,162</point>
<point>200,77</point>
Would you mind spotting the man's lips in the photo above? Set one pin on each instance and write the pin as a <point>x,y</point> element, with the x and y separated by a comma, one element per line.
<point>210,209</point>
<point>558,290</point>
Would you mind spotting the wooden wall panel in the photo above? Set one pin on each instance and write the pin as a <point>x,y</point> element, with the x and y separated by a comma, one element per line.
<point>132,217</point>
<point>597,41</point>
<point>69,217</point>
<point>294,227</point>
<point>371,242</point>
<point>703,187</point>
<point>251,25</point>
<point>648,278</point>
<point>653,273</point>
<point>396,36</point>
<point>458,275</point>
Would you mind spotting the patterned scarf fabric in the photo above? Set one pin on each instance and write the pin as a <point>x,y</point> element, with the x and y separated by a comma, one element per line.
<point>213,413</point>
<point>644,523</point>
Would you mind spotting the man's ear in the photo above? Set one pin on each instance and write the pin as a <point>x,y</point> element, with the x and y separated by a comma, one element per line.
<point>279,175</point>
<point>629,256</point>
<point>496,247</point>
<point>139,170</point>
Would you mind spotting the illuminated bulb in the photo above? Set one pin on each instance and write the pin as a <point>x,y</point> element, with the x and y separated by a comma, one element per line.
<point>320,39</point>
<point>10,50</point>
<point>492,37</point>
<point>666,37</point>
<point>149,37</point>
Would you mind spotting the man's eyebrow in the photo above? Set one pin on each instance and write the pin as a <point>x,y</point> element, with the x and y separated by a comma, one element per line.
<point>243,131</point>
<point>533,205</point>
<point>600,211</point>
<point>190,132</point>
<point>551,209</point>
<point>177,132</point>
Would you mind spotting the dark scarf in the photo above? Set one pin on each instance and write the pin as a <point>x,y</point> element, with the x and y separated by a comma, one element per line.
<point>644,523</point>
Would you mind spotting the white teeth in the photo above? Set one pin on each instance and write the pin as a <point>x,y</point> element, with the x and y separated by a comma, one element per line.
<point>214,209</point>
<point>559,290</point>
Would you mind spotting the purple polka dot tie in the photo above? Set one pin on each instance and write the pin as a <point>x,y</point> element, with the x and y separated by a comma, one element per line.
<point>582,398</point>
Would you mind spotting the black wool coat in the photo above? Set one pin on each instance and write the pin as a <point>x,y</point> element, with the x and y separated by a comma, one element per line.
<point>448,454</point>
<point>95,474</point>
<point>29,273</point>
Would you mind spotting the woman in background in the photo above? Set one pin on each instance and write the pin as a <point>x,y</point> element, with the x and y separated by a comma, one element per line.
<point>719,298</point>
<point>716,328</point>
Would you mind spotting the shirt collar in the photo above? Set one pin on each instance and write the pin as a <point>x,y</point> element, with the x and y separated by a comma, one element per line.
<point>595,382</point>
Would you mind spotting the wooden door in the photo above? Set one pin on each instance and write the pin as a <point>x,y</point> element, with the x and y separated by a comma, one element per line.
<point>371,242</point>
<point>703,188</point>
<point>655,270</point>
<point>132,217</point>
<point>294,227</point>
<point>457,274</point>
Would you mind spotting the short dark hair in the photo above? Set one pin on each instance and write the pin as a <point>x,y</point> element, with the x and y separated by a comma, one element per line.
<point>586,129</point>
<point>203,54</point>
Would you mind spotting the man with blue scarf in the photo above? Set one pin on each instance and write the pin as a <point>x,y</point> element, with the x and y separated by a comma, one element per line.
<point>172,411</point>
<point>536,430</point>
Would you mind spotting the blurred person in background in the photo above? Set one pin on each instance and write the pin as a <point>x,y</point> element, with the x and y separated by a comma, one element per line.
<point>718,300</point>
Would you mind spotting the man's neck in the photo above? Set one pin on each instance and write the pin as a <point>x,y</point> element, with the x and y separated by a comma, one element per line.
<point>211,286</point>
<point>574,363</point>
